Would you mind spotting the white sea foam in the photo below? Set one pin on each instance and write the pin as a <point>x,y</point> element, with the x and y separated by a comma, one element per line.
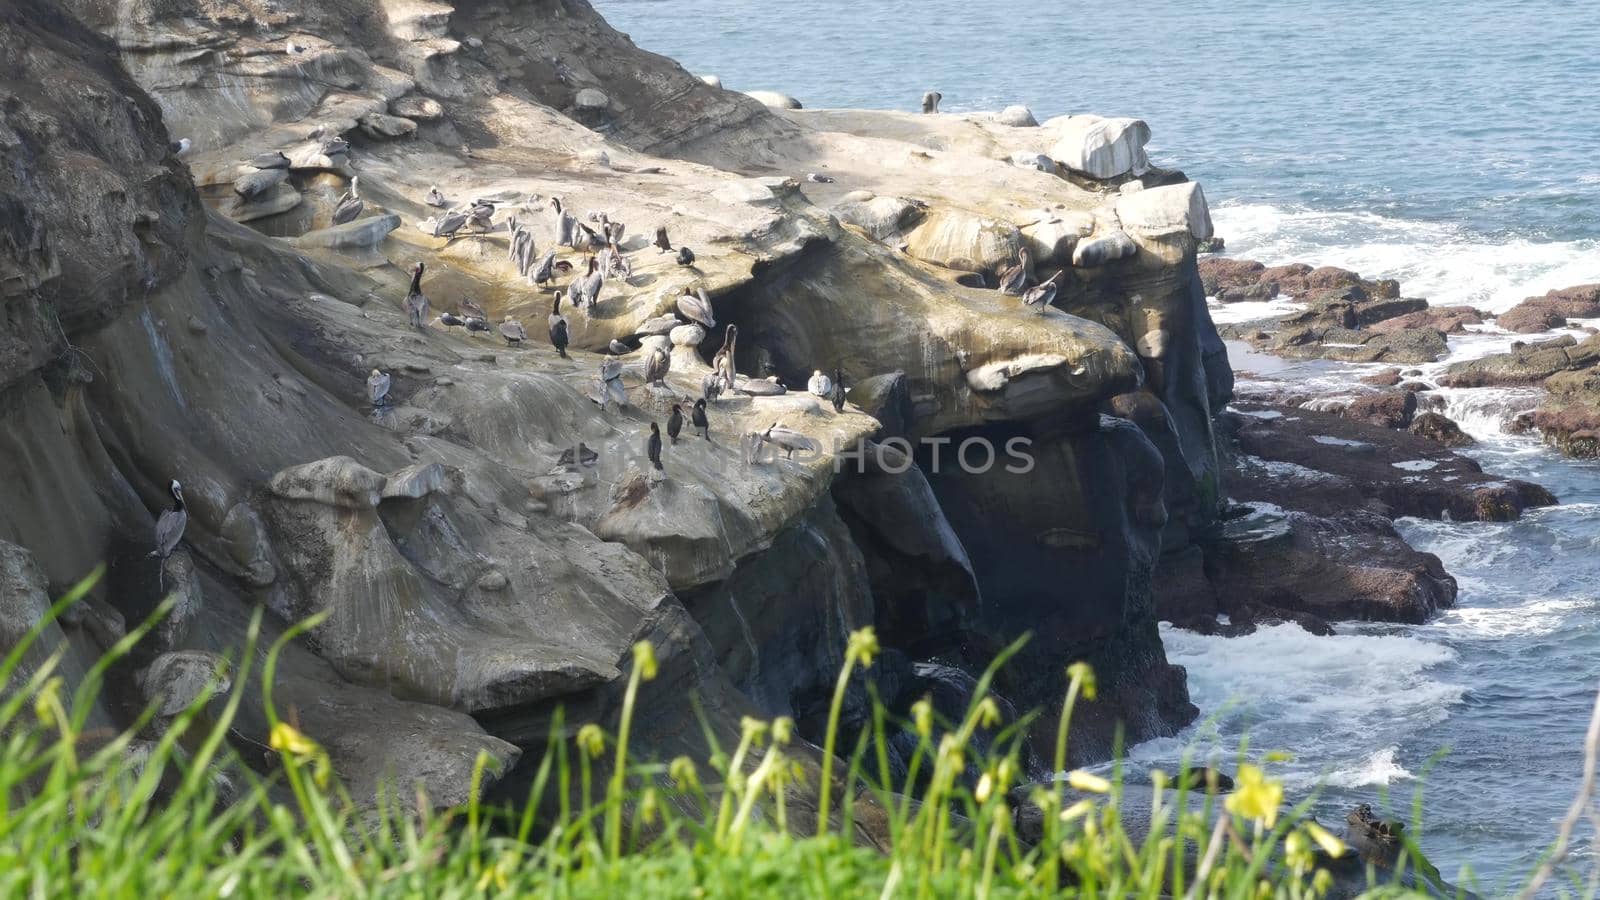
<point>1435,260</point>
<point>1381,768</point>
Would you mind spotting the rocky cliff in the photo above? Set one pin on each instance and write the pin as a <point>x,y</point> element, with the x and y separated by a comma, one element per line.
<point>187,316</point>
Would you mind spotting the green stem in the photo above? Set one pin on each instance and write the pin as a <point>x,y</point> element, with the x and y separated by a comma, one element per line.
<point>832,738</point>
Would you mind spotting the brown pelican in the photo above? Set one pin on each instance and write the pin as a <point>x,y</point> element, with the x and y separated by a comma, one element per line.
<point>611,388</point>
<point>171,523</point>
<point>589,286</point>
<point>378,388</point>
<point>787,438</point>
<point>416,300</point>
<point>618,265</point>
<point>685,256</point>
<point>838,390</point>
<point>435,199</point>
<point>663,245</point>
<point>820,384</point>
<point>698,417</point>
<point>589,239</point>
<point>545,270</point>
<point>652,447</point>
<point>723,362</point>
<point>675,423</point>
<point>930,102</point>
<point>697,309</point>
<point>657,365</point>
<point>449,223</point>
<point>350,205</point>
<point>566,225</point>
<point>273,160</point>
<point>558,328</point>
<point>472,309</point>
<point>1014,278</point>
<point>613,232</point>
<point>512,331</point>
<point>1043,295</point>
<point>482,215</point>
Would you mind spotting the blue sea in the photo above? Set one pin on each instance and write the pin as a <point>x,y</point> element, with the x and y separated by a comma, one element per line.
<point>1455,147</point>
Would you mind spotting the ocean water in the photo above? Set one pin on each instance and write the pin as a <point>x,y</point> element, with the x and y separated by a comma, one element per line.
<point>1455,148</point>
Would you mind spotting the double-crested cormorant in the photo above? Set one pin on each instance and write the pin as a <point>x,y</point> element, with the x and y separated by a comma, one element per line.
<point>820,384</point>
<point>696,308</point>
<point>558,328</point>
<point>657,365</point>
<point>652,447</point>
<point>838,390</point>
<point>698,417</point>
<point>171,523</point>
<point>930,102</point>
<point>1014,278</point>
<point>512,331</point>
<point>416,300</point>
<point>581,455</point>
<point>663,244</point>
<point>350,205</point>
<point>378,388</point>
<point>685,256</point>
<point>675,423</point>
<point>435,198</point>
<point>1041,296</point>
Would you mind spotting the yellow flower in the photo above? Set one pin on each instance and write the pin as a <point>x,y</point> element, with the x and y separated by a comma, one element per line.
<point>1297,850</point>
<point>287,739</point>
<point>1083,673</point>
<point>1255,796</point>
<point>1087,782</point>
<point>644,659</point>
<point>47,701</point>
<point>1077,810</point>
<point>863,646</point>
<point>1325,839</point>
<point>950,751</point>
<point>985,788</point>
<point>683,773</point>
<point>922,716</point>
<point>1005,773</point>
<point>988,712</point>
<point>1045,799</point>
<point>782,730</point>
<point>1278,756</point>
<point>592,740</point>
<point>649,806</point>
<point>753,729</point>
<point>1321,881</point>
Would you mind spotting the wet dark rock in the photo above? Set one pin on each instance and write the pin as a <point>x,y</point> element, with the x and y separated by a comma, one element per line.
<point>1525,363</point>
<point>1390,409</point>
<point>1383,378</point>
<point>1440,429</point>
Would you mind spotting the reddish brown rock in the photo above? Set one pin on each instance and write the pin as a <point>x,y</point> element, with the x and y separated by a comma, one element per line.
<point>1383,378</point>
<point>1391,409</point>
<point>1441,430</point>
<point>1221,272</point>
<point>1448,319</point>
<point>1537,314</point>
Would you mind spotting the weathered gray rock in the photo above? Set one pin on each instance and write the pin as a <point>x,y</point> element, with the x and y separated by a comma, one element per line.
<point>774,99</point>
<point>881,217</point>
<point>336,481</point>
<point>1165,210</point>
<point>1017,117</point>
<point>175,680</point>
<point>256,182</point>
<point>386,127</point>
<point>957,239</point>
<point>363,233</point>
<point>414,482</point>
<point>417,108</point>
<point>1102,248</point>
<point>1099,147</point>
<point>279,198</point>
<point>590,100</point>
<point>1053,237</point>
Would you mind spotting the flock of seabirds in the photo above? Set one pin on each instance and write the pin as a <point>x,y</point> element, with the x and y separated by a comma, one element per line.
<point>604,259</point>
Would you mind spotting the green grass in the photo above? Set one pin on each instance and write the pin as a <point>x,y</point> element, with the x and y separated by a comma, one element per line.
<point>186,818</point>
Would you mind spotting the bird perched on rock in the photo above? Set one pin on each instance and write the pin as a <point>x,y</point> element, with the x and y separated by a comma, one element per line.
<point>618,347</point>
<point>611,387</point>
<point>838,390</point>
<point>613,232</point>
<point>451,320</point>
<point>472,309</point>
<point>820,384</point>
<point>293,47</point>
<point>477,325</point>
<point>675,423</point>
<point>581,455</point>
<point>1014,278</point>
<point>589,239</point>
<point>588,287</point>
<point>930,102</point>
<point>180,146</point>
<point>566,225</point>
<point>273,160</point>
<point>657,365</point>
<point>1041,296</point>
<point>819,178</point>
<point>546,269</point>
<point>558,328</point>
<point>416,300</point>
<point>696,308</point>
<point>378,388</point>
<point>652,447</point>
<point>789,439</point>
<point>712,386</point>
<point>481,215</point>
<point>663,245</point>
<point>171,523</point>
<point>723,361</point>
<point>685,256</point>
<point>698,417</point>
<point>449,223</point>
<point>435,199</point>
<point>349,205</point>
<point>513,332</point>
<point>335,146</point>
